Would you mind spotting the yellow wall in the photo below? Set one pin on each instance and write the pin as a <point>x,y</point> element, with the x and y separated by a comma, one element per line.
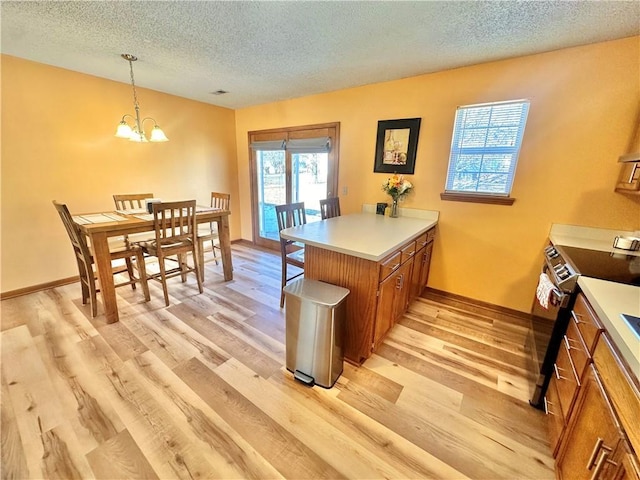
<point>584,103</point>
<point>58,143</point>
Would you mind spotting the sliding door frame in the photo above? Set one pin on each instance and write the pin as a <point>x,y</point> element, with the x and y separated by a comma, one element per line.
<point>331,130</point>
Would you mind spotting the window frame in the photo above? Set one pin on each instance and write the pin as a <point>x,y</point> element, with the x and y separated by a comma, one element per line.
<point>500,198</point>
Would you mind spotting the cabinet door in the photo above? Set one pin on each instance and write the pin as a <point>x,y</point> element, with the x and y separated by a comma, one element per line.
<point>592,436</point>
<point>401,301</point>
<point>426,264</point>
<point>392,297</point>
<point>416,275</point>
<point>385,308</point>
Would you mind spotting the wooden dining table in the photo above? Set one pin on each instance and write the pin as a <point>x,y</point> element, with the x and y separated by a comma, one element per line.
<point>100,226</point>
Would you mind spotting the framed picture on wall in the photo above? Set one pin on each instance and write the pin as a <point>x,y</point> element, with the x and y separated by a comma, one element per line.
<point>396,146</point>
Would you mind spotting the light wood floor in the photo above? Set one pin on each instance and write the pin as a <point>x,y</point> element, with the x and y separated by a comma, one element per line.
<point>198,390</point>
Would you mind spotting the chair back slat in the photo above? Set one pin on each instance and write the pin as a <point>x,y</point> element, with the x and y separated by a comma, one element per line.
<point>220,200</point>
<point>174,221</point>
<point>290,215</point>
<point>329,207</point>
<point>130,201</point>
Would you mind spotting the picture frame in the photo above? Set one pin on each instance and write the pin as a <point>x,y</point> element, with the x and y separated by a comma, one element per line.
<point>396,145</point>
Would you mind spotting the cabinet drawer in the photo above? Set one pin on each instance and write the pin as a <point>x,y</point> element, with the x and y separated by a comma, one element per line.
<point>431,235</point>
<point>556,420</point>
<point>577,349</point>
<point>566,380</point>
<point>390,265</point>
<point>588,324</point>
<point>408,251</point>
<point>421,241</point>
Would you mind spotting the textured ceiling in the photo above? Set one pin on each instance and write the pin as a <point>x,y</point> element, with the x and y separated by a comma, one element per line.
<point>264,51</point>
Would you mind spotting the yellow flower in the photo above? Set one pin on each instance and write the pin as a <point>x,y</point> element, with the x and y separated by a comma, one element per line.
<point>397,187</point>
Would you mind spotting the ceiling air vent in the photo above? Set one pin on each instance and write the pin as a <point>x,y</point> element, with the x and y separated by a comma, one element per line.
<point>219,92</point>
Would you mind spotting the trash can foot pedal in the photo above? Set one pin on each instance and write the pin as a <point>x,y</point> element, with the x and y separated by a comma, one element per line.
<point>304,378</point>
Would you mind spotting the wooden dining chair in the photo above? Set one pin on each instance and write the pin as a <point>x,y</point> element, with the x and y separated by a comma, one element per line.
<point>174,224</point>
<point>329,207</point>
<point>130,201</point>
<point>209,232</point>
<point>291,253</point>
<point>85,261</point>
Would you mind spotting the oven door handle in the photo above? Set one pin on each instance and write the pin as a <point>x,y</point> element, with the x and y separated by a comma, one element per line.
<point>558,298</point>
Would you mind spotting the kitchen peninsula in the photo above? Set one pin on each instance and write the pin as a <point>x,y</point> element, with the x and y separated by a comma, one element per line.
<point>383,261</point>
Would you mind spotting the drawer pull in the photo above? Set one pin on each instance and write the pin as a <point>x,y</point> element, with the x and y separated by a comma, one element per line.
<point>575,346</point>
<point>575,317</point>
<point>558,376</point>
<point>394,267</point>
<point>546,407</point>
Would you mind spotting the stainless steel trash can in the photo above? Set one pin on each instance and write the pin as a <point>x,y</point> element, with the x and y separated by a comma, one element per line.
<point>315,316</point>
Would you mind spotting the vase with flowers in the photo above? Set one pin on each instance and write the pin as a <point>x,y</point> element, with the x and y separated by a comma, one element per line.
<point>397,188</point>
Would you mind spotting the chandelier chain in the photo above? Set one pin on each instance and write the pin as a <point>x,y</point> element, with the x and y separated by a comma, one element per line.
<point>133,84</point>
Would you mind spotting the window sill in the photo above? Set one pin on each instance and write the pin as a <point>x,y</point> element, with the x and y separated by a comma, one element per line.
<point>465,197</point>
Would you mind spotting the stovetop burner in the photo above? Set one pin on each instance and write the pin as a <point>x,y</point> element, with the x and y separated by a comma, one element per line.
<point>614,267</point>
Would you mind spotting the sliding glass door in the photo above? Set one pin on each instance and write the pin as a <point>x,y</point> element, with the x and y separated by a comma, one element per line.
<point>288,166</point>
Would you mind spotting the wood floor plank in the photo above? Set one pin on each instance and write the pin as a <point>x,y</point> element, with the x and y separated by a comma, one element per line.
<point>262,364</point>
<point>375,383</point>
<point>389,446</point>
<point>288,455</point>
<point>424,386</point>
<point>323,438</point>
<point>120,457</point>
<point>228,452</point>
<point>434,330</point>
<point>13,464</point>
<point>511,457</point>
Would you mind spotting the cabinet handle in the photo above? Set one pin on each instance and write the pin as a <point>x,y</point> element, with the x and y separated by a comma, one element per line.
<point>602,460</point>
<point>394,267</point>
<point>558,376</point>
<point>575,346</point>
<point>546,406</point>
<point>594,453</point>
<point>411,254</point>
<point>575,317</point>
<point>399,282</point>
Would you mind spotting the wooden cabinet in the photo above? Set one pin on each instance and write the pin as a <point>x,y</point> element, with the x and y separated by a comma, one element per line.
<point>593,424</point>
<point>392,299</point>
<point>403,275</point>
<point>592,437</point>
<point>574,356</point>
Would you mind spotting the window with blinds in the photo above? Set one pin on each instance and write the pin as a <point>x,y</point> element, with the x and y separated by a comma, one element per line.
<point>485,147</point>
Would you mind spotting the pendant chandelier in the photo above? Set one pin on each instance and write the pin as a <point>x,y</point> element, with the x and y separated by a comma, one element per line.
<point>135,132</point>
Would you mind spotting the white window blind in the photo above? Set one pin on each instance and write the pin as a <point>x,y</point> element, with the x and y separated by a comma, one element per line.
<point>485,146</point>
<point>268,145</point>
<point>309,145</point>
<point>299,145</point>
